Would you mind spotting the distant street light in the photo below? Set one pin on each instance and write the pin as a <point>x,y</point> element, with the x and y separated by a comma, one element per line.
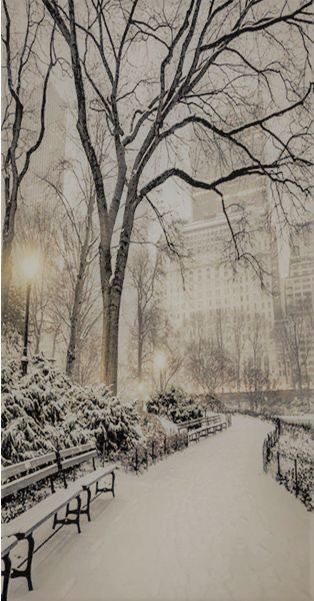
<point>30,265</point>
<point>160,362</point>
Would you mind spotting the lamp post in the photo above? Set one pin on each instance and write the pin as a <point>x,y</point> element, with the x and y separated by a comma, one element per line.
<point>30,267</point>
<point>160,362</point>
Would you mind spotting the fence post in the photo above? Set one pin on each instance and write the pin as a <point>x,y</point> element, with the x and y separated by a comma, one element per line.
<point>136,459</point>
<point>278,465</point>
<point>296,477</point>
<point>165,445</point>
<point>153,451</point>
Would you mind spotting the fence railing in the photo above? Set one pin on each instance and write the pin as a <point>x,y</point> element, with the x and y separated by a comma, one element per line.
<point>295,472</point>
<point>144,455</point>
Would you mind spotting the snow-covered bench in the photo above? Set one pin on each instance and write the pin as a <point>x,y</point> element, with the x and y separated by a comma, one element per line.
<point>214,423</point>
<point>24,525</point>
<point>28,472</point>
<point>202,422</point>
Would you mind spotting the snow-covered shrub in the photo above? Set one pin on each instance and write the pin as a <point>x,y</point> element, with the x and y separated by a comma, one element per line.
<point>35,411</point>
<point>295,447</point>
<point>44,410</point>
<point>175,405</point>
<point>106,417</point>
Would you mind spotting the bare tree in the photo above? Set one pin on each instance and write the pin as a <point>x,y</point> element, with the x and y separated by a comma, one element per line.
<point>168,344</point>
<point>238,343</point>
<point>23,120</point>
<point>145,273</point>
<point>39,226</point>
<point>256,381</point>
<point>256,369</point>
<point>296,334</point>
<point>199,74</point>
<point>78,250</point>
<point>207,361</point>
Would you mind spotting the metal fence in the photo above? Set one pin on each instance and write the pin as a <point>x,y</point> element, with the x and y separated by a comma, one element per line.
<point>293,472</point>
<point>155,449</point>
<point>142,456</point>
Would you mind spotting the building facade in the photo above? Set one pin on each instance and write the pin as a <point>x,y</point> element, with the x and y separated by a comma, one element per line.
<point>224,295</point>
<point>295,329</point>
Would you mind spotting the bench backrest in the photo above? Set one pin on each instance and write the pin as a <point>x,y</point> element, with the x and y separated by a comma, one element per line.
<point>74,451</point>
<point>210,419</point>
<point>20,483</point>
<point>19,469</point>
<point>21,475</point>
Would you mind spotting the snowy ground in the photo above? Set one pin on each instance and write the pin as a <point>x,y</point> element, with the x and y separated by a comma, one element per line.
<point>204,525</point>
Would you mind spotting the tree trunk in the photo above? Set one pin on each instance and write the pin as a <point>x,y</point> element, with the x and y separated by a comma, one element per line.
<point>109,355</point>
<point>7,243</point>
<point>71,351</point>
<point>139,342</point>
<point>6,268</point>
<point>111,287</point>
<point>78,292</point>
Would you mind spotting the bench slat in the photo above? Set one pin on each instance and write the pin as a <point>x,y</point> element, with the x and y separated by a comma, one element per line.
<point>16,485</point>
<point>7,544</point>
<point>24,466</point>
<point>31,519</point>
<point>79,459</point>
<point>76,450</point>
<point>92,477</point>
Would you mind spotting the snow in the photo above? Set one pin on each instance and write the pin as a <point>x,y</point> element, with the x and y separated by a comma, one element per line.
<point>307,418</point>
<point>169,426</point>
<point>206,524</point>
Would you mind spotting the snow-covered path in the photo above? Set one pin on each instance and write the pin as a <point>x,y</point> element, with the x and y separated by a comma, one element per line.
<point>204,525</point>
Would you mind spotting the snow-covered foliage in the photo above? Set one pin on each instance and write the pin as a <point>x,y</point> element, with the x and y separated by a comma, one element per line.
<point>44,410</point>
<point>295,470</point>
<point>175,405</point>
<point>106,417</point>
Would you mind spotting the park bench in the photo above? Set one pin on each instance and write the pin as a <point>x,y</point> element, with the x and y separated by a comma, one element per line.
<point>211,425</point>
<point>202,422</point>
<point>39,469</point>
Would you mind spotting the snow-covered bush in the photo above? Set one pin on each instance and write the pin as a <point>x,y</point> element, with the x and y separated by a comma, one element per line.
<point>175,405</point>
<point>104,415</point>
<point>44,410</point>
<point>295,470</point>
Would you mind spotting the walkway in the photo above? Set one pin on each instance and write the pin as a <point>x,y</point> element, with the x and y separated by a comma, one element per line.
<point>204,525</point>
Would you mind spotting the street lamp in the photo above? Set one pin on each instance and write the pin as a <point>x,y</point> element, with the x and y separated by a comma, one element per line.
<point>160,362</point>
<point>29,266</point>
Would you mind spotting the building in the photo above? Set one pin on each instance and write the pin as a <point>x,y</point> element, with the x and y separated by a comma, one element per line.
<point>295,329</point>
<point>217,291</point>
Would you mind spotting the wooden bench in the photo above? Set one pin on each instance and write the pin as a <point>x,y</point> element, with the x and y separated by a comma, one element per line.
<point>212,425</point>
<point>30,472</point>
<point>202,422</point>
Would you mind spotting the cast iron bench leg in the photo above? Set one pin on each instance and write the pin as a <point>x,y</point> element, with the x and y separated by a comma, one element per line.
<point>89,496</point>
<point>113,481</point>
<point>67,520</point>
<point>6,576</point>
<point>28,570</point>
<point>104,488</point>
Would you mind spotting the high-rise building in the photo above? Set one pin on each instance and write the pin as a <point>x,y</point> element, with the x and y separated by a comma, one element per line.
<point>295,330</point>
<point>213,288</point>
